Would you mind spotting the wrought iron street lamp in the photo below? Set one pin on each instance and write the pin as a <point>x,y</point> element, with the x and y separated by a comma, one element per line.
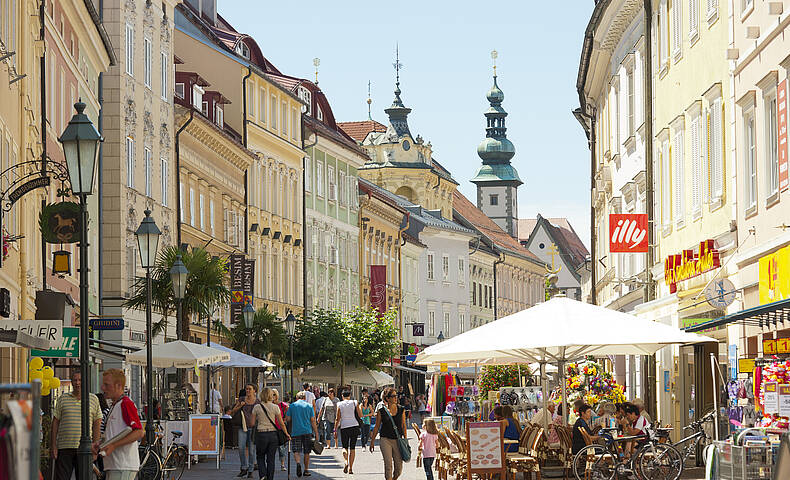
<point>80,142</point>
<point>148,242</point>
<point>178,277</point>
<point>290,325</point>
<point>440,338</point>
<point>248,314</point>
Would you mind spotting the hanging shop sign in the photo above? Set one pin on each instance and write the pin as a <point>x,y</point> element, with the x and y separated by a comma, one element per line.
<point>378,288</point>
<point>248,280</point>
<point>688,264</point>
<point>771,398</point>
<point>775,276</point>
<point>775,347</point>
<point>60,222</point>
<point>26,187</point>
<point>69,347</point>
<point>781,110</point>
<point>629,232</point>
<point>720,293</point>
<point>236,286</point>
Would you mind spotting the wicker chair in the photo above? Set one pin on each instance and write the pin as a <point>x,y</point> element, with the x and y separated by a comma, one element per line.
<point>564,454</point>
<point>460,444</point>
<point>531,442</point>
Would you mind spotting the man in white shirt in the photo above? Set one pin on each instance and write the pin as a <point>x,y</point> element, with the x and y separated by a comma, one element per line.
<point>544,415</point>
<point>216,400</point>
<point>121,456</point>
<point>309,396</point>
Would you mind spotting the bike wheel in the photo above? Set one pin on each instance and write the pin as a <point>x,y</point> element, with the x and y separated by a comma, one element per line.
<point>659,461</point>
<point>150,466</point>
<point>594,462</point>
<point>175,463</point>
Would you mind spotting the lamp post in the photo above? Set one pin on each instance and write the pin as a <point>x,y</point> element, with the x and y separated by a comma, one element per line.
<point>248,313</point>
<point>148,241</point>
<point>80,142</point>
<point>290,324</point>
<point>178,277</point>
<point>440,338</point>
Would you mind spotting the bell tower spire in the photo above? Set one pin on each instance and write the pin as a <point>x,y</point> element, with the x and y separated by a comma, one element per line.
<point>398,113</point>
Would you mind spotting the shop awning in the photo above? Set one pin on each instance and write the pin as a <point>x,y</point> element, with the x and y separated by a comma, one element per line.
<point>763,315</point>
<point>410,369</point>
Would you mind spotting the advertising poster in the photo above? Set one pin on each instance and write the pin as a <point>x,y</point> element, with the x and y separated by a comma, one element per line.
<point>378,287</point>
<point>771,398</point>
<point>784,400</point>
<point>774,277</point>
<point>486,449</point>
<point>204,434</point>
<point>237,264</point>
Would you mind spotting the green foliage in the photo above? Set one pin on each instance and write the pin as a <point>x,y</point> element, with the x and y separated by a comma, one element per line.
<point>494,376</point>
<point>206,289</point>
<point>358,337</point>
<point>266,339</point>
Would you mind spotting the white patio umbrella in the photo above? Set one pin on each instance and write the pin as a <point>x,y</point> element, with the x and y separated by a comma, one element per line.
<point>179,354</point>
<point>238,359</point>
<point>352,375</point>
<point>557,331</point>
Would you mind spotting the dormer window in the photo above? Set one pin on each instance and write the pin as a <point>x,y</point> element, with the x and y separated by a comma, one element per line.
<point>219,115</point>
<point>180,90</point>
<point>306,96</point>
<point>319,113</point>
<point>197,96</point>
<point>243,50</point>
<point>204,109</point>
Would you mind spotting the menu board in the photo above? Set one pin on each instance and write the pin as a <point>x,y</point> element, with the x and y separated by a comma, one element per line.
<point>771,398</point>
<point>204,434</point>
<point>784,400</point>
<point>485,448</point>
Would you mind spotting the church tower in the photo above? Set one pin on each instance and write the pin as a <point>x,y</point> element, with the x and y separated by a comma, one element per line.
<point>497,180</point>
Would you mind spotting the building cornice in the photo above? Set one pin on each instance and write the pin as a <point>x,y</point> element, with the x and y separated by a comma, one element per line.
<point>216,140</point>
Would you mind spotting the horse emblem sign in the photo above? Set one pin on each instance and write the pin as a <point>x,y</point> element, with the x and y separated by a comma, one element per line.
<point>60,222</point>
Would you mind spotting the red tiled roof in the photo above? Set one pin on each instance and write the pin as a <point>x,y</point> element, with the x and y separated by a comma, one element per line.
<point>562,232</point>
<point>480,220</point>
<point>359,130</point>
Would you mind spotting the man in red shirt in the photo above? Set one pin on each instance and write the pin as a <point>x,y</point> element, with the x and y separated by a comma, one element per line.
<point>121,457</point>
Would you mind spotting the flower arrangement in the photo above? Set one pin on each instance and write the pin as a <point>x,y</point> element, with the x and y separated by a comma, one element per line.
<point>589,381</point>
<point>494,376</point>
<point>6,246</point>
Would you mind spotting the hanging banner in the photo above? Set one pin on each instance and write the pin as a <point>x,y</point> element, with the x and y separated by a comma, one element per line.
<point>775,276</point>
<point>378,287</point>
<point>249,280</point>
<point>781,123</point>
<point>689,264</point>
<point>236,286</point>
<point>629,232</point>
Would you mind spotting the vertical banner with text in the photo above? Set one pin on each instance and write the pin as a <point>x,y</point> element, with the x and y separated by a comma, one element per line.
<point>249,280</point>
<point>378,287</point>
<point>781,124</point>
<point>236,286</point>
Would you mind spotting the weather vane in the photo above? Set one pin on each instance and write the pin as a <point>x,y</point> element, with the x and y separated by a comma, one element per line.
<point>316,63</point>
<point>369,101</point>
<point>397,66</point>
<point>494,55</point>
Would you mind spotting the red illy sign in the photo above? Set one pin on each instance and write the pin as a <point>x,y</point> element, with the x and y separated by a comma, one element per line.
<point>629,232</point>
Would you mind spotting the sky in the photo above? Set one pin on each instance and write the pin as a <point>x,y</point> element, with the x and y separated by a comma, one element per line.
<point>445,48</point>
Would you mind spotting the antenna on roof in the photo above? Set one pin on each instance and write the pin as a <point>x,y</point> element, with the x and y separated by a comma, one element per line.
<point>369,101</point>
<point>494,55</point>
<point>316,63</point>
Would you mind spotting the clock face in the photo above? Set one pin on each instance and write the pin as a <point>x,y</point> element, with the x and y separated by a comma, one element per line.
<point>406,145</point>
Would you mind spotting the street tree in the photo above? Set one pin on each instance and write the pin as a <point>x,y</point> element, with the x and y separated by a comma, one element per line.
<point>266,339</point>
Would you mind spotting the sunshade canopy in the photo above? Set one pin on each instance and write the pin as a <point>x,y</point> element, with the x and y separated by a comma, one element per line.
<point>560,329</point>
<point>352,376</point>
<point>179,354</point>
<point>238,359</point>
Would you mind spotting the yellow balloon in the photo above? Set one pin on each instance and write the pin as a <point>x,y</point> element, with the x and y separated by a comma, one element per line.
<point>45,384</point>
<point>36,363</point>
<point>48,372</point>
<point>54,382</point>
<point>45,391</point>
<point>36,375</point>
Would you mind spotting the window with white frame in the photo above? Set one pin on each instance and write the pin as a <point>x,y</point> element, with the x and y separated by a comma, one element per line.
<point>294,123</point>
<point>308,174</point>
<point>342,186</point>
<point>446,324</point>
<point>662,35</point>
<point>243,50</point>
<point>614,118</point>
<point>666,185</point>
<point>129,49</point>
<point>430,266</point>
<point>306,97</point>
<point>431,324</point>
<point>201,210</point>
<point>461,270</point>
<point>179,91</point>
<point>130,162</point>
<point>677,28</point>
<point>697,165</point>
<point>148,180</point>
<point>330,174</point>
<point>353,191</point>
<point>273,115</point>
<point>251,99</point>
<point>631,105</point>
<point>262,106</point>
<point>771,146</point>
<point>713,10</point>
<point>197,97</point>
<point>693,19</point>
<point>284,118</point>
<point>211,215</point>
<point>461,322</point>
<point>445,268</point>
<point>148,66</point>
<point>192,215</point>
<point>716,151</point>
<point>164,180</point>
<point>219,115</point>
<point>164,72</point>
<point>319,179</point>
<point>679,176</point>
<point>750,157</point>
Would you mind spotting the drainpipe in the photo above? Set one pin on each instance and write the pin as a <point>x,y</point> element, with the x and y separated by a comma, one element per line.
<point>304,217</point>
<point>593,236</point>
<point>100,268</point>
<point>178,177</point>
<point>246,183</point>
<point>501,259</point>
<point>43,88</point>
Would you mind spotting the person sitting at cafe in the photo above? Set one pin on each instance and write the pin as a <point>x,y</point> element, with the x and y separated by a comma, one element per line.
<point>504,415</point>
<point>636,425</point>
<point>582,423</point>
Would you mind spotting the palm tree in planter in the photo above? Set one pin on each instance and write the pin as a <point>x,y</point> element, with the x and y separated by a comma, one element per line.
<point>205,288</point>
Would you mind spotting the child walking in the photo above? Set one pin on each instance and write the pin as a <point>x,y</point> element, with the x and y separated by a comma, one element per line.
<point>428,439</point>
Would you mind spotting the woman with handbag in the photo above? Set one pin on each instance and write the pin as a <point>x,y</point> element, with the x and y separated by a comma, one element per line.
<point>348,421</point>
<point>391,421</point>
<point>246,432</point>
<point>270,433</point>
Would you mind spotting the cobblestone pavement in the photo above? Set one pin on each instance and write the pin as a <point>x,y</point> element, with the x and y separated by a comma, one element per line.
<point>329,465</point>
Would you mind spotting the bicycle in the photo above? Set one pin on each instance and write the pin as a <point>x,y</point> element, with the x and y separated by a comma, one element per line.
<point>680,452</point>
<point>152,467</point>
<point>699,438</point>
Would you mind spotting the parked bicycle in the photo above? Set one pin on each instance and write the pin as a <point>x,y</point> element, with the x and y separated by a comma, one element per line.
<point>681,450</point>
<point>697,440</point>
<point>152,465</point>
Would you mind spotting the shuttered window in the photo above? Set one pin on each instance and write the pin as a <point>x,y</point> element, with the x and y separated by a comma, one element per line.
<point>129,49</point>
<point>716,151</point>
<point>677,27</point>
<point>696,167</point>
<point>679,177</point>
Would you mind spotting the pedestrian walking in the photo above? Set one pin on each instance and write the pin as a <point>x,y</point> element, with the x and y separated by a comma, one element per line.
<point>267,418</point>
<point>216,400</point>
<point>428,439</point>
<point>346,421</point>
<point>319,414</point>
<point>67,427</point>
<point>246,433</point>
<point>422,409</point>
<point>391,421</point>
<point>121,455</point>
<point>367,412</point>
<point>309,396</point>
<point>328,416</point>
<point>302,418</point>
<point>282,449</point>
